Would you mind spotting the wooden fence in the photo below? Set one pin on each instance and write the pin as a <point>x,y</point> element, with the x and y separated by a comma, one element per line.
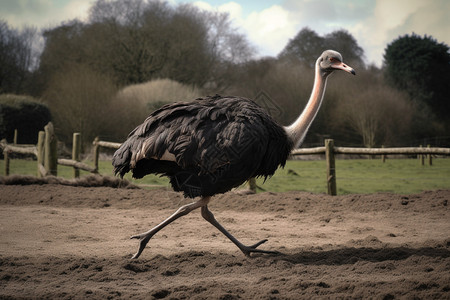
<point>45,151</point>
<point>330,151</point>
<point>97,146</point>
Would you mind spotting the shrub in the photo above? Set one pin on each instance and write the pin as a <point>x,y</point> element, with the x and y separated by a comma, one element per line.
<point>158,92</point>
<point>133,104</point>
<point>25,114</point>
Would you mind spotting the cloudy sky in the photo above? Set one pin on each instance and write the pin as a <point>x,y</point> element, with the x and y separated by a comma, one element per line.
<point>269,24</point>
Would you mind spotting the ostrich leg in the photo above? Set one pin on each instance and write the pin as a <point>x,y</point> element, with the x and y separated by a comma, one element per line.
<point>208,216</point>
<point>182,211</point>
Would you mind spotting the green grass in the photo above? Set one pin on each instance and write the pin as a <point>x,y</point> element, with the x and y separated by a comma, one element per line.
<point>403,176</point>
<point>29,167</point>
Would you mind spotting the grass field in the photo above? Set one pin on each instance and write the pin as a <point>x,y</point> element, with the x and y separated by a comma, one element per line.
<point>403,176</point>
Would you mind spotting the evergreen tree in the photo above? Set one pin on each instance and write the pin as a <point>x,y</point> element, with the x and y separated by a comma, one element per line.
<point>421,67</point>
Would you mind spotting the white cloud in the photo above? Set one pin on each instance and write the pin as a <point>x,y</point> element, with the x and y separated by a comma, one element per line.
<point>391,19</point>
<point>204,5</point>
<point>42,13</point>
<point>77,9</point>
<point>232,8</point>
<point>270,28</point>
<point>375,32</point>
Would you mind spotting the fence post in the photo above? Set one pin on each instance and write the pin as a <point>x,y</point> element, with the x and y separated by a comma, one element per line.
<point>15,136</point>
<point>40,153</point>
<point>430,159</point>
<point>96,152</point>
<point>76,148</point>
<point>252,184</point>
<point>383,156</point>
<point>51,150</point>
<point>6,158</point>
<point>422,158</point>
<point>331,169</point>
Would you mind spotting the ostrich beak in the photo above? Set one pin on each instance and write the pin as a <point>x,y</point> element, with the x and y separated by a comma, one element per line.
<point>344,67</point>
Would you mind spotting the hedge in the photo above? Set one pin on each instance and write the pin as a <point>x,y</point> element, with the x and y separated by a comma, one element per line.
<point>25,114</point>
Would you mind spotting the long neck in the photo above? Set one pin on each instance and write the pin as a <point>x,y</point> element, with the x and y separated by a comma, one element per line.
<point>297,130</point>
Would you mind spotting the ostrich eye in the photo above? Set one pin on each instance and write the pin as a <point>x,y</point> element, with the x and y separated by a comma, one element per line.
<point>332,59</point>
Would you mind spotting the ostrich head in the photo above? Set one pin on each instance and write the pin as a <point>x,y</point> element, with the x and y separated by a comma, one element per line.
<point>330,61</point>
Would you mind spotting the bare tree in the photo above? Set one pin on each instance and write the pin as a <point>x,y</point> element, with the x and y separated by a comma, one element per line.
<point>377,113</point>
<point>134,41</point>
<point>17,57</point>
<point>228,50</point>
<point>79,100</point>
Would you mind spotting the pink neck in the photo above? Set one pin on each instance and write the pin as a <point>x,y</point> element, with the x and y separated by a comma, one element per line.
<point>297,130</point>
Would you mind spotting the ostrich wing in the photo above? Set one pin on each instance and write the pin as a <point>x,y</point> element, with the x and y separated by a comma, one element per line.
<point>221,141</point>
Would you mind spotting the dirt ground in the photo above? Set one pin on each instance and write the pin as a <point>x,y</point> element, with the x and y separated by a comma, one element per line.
<point>69,242</point>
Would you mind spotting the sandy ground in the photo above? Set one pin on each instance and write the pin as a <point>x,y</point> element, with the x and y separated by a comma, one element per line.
<point>59,241</point>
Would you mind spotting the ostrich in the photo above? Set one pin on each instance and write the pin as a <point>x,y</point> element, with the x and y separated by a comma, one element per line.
<point>214,144</point>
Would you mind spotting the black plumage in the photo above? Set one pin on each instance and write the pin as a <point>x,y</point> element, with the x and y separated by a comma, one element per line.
<point>217,144</point>
<point>213,144</point>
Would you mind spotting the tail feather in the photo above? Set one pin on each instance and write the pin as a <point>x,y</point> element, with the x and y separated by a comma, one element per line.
<point>121,160</point>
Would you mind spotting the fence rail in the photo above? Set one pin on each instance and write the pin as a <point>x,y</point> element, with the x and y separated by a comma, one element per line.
<point>45,151</point>
<point>76,164</point>
<point>374,151</point>
<point>22,149</point>
<point>330,151</point>
<point>97,146</point>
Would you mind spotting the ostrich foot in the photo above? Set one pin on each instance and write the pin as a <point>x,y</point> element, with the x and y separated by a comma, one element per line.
<point>184,210</point>
<point>247,250</point>
<point>252,249</point>
<point>144,238</point>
